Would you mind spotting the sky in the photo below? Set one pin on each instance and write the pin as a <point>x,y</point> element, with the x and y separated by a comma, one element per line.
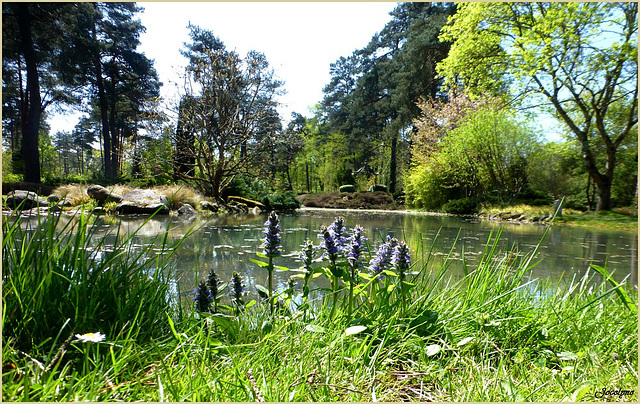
<point>300,41</point>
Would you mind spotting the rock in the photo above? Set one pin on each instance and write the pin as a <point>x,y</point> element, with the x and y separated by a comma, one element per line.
<point>143,201</point>
<point>25,200</point>
<point>187,210</point>
<point>515,216</point>
<point>103,195</point>
<point>211,206</point>
<point>504,215</point>
<point>53,199</point>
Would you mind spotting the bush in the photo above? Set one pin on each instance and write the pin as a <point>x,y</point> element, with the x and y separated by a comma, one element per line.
<point>464,206</point>
<point>281,202</point>
<point>378,188</point>
<point>534,197</point>
<point>246,187</point>
<point>426,189</point>
<point>347,188</point>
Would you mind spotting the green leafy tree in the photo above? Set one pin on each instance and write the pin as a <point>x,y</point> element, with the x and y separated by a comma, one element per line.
<point>484,157</point>
<point>579,58</point>
<point>372,94</point>
<point>231,112</point>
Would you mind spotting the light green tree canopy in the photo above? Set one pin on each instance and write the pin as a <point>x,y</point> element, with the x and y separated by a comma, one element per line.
<point>580,58</point>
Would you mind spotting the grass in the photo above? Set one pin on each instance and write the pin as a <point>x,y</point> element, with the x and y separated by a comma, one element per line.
<point>493,335</point>
<point>179,195</point>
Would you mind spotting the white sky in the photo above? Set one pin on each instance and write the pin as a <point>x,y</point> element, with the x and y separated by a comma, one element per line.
<point>300,41</point>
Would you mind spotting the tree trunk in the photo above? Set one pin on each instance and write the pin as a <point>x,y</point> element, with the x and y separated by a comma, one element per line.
<point>306,166</point>
<point>30,150</point>
<point>102,102</point>
<point>392,165</point>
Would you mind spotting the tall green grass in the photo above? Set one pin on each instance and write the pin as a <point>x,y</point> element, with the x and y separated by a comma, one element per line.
<point>497,334</point>
<point>57,282</point>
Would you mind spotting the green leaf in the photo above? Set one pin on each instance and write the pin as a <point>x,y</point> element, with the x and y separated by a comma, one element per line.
<point>281,268</point>
<point>223,322</point>
<point>261,255</point>
<point>391,287</point>
<point>173,328</point>
<point>262,289</point>
<point>622,295</point>
<point>314,328</point>
<point>433,349</point>
<point>251,303</point>
<point>356,329</point>
<point>389,273</point>
<point>261,264</point>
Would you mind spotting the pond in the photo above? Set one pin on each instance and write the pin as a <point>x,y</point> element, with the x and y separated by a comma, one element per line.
<point>226,243</point>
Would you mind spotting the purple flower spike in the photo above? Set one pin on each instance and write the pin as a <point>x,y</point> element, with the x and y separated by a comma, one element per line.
<point>355,248</point>
<point>400,259</point>
<point>202,297</point>
<point>271,243</point>
<point>237,287</point>
<point>338,232</point>
<point>328,244</point>
<point>382,260</point>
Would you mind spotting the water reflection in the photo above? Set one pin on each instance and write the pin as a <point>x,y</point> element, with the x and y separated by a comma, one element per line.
<point>226,243</point>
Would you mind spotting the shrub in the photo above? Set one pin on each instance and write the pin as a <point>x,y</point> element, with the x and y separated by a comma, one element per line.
<point>425,188</point>
<point>464,206</point>
<point>246,187</point>
<point>284,201</point>
<point>378,188</point>
<point>347,188</point>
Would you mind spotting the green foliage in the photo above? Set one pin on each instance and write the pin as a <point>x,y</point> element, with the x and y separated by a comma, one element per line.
<point>247,186</point>
<point>426,187</point>
<point>343,176</point>
<point>465,206</point>
<point>558,58</point>
<point>281,202</point>
<point>347,188</point>
<point>494,334</point>
<point>484,157</point>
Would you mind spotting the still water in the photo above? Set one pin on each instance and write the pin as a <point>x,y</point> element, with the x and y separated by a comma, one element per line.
<point>226,243</point>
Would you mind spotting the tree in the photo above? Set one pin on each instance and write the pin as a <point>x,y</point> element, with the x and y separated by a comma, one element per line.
<point>31,44</point>
<point>229,107</point>
<point>483,156</point>
<point>371,97</point>
<point>579,58</point>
